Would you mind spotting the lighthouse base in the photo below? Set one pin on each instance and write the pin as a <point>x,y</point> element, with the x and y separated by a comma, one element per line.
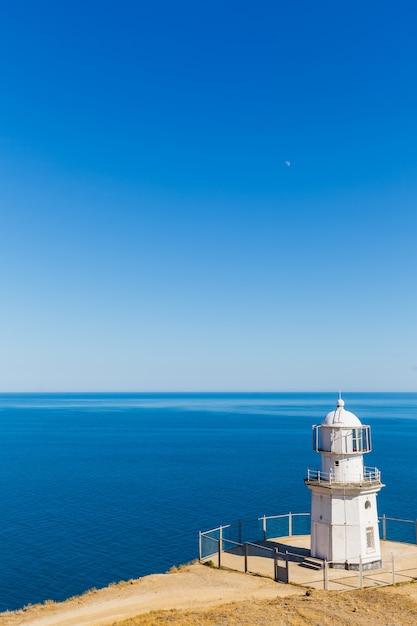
<point>355,566</point>
<point>344,526</point>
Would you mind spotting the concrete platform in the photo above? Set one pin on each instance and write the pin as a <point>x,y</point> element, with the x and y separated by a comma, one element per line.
<point>399,564</point>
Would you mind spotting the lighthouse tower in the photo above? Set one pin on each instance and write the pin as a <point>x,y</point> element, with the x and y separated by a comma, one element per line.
<point>344,517</point>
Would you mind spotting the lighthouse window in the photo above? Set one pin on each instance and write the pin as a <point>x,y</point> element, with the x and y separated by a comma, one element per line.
<point>366,439</point>
<point>316,438</point>
<point>367,504</point>
<point>357,439</point>
<point>370,540</point>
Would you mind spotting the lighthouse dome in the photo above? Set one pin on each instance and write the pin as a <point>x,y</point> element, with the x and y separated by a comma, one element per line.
<point>341,417</point>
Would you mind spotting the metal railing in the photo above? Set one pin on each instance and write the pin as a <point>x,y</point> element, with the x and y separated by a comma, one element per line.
<point>370,475</point>
<point>401,530</point>
<point>245,546</point>
<point>273,524</point>
<point>255,530</point>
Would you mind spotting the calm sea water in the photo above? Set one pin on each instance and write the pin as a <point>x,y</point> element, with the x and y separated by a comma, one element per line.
<point>98,488</point>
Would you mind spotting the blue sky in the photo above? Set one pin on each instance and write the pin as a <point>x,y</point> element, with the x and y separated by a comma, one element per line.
<point>152,235</point>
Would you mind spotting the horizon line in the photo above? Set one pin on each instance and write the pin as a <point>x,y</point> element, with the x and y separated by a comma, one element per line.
<point>189,391</point>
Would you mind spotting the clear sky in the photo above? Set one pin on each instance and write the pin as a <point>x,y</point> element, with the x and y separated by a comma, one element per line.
<point>208,195</point>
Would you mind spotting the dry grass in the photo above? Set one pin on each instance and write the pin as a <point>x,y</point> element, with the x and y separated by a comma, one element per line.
<point>220,598</point>
<point>319,608</point>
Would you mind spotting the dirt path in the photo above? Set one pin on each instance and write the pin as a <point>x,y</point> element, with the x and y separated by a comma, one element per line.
<point>195,586</point>
<point>201,595</point>
<point>368,607</point>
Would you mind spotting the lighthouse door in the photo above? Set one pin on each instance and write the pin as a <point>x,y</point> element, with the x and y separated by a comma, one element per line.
<point>321,532</point>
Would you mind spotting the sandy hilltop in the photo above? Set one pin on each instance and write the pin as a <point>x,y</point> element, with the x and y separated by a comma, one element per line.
<point>195,594</point>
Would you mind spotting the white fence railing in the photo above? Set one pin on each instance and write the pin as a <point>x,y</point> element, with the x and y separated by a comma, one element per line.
<point>370,475</point>
<point>245,545</point>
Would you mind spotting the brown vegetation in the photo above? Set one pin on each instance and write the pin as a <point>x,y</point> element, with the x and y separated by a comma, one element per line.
<point>371,607</point>
<point>197,595</point>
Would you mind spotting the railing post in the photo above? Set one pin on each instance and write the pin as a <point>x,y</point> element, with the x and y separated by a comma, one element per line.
<point>220,543</point>
<point>287,569</point>
<point>199,546</point>
<point>325,575</point>
<point>219,553</point>
<point>290,524</point>
<point>246,558</point>
<point>276,565</point>
<point>393,568</point>
<point>240,532</point>
<point>360,573</point>
<point>384,527</point>
<point>264,526</point>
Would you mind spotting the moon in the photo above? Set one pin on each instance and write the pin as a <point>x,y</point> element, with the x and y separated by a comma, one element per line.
<point>288,163</point>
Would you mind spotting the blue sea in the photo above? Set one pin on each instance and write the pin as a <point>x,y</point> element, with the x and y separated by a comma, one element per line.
<point>97,488</point>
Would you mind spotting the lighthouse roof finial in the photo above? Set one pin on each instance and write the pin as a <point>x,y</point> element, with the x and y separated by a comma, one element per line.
<point>341,417</point>
<point>340,402</point>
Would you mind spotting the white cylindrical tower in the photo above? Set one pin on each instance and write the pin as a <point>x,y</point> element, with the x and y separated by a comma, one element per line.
<point>344,517</point>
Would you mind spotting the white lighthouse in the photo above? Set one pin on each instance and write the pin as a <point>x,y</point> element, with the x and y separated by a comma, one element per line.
<point>344,517</point>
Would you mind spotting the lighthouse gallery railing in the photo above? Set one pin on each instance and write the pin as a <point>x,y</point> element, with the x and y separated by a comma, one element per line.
<point>370,475</point>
